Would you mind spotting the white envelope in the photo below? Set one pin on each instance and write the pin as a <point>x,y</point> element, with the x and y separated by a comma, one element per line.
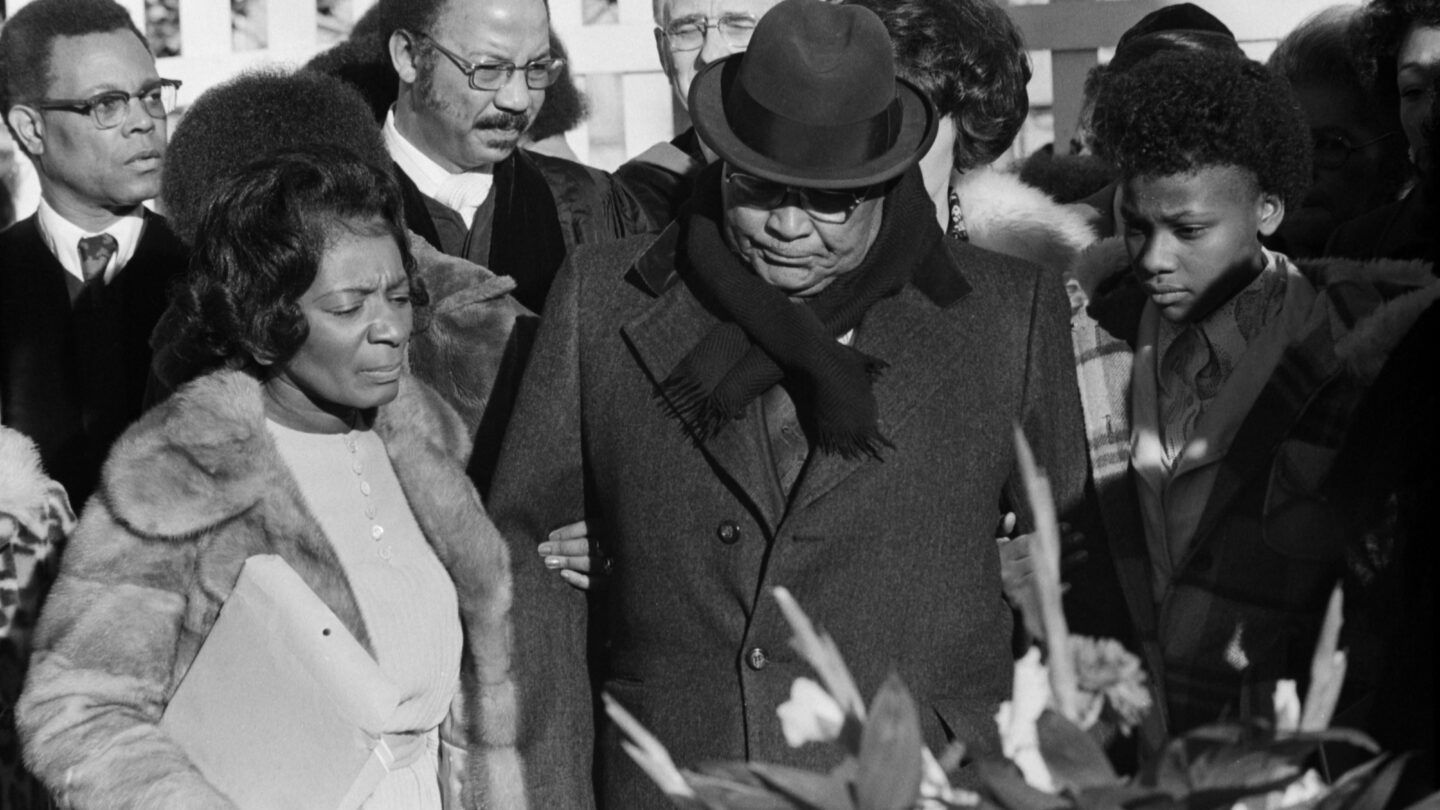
<point>282,707</point>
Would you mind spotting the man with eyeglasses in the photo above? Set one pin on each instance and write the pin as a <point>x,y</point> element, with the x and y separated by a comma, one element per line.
<point>84,280</point>
<point>689,34</point>
<point>801,383</point>
<point>472,77</point>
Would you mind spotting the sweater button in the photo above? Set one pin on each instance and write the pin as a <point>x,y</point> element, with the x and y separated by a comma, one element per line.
<point>728,531</point>
<point>756,659</point>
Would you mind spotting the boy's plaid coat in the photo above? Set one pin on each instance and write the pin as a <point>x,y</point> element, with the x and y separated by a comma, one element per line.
<point>1247,599</point>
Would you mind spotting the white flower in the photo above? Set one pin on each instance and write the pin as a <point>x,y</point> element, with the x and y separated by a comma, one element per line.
<point>810,715</point>
<point>1287,706</point>
<point>1017,717</point>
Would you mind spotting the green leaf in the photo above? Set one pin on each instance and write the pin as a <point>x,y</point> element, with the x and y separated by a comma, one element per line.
<point>1378,789</point>
<point>1075,760</point>
<point>888,777</point>
<point>1121,795</point>
<point>810,790</point>
<point>724,793</point>
<point>1002,783</point>
<point>1223,798</point>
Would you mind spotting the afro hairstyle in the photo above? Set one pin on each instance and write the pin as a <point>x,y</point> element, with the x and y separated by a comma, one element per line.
<point>969,58</point>
<point>256,114</point>
<point>1186,111</point>
<point>1381,32</point>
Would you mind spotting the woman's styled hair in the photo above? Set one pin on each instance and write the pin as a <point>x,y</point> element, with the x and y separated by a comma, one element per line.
<point>969,58</point>
<point>259,245</point>
<point>1382,29</point>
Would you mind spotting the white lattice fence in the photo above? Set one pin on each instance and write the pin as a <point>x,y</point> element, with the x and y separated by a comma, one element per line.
<point>614,59</point>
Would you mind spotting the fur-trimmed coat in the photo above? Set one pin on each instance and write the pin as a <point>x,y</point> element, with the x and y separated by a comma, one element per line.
<point>190,492</point>
<point>1007,215</point>
<point>1273,538</point>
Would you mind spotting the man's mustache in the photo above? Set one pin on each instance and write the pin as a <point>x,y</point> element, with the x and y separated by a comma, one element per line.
<point>518,122</point>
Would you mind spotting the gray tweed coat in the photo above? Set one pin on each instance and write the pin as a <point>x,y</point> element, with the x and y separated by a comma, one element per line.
<point>895,557</point>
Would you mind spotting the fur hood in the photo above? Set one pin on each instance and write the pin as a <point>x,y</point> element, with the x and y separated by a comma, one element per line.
<point>1004,214</point>
<point>190,492</point>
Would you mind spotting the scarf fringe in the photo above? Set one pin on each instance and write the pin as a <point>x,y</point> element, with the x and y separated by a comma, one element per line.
<point>851,445</point>
<point>699,412</point>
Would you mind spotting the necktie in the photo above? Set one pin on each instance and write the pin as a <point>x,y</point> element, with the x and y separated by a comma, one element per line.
<point>95,253</point>
<point>1189,379</point>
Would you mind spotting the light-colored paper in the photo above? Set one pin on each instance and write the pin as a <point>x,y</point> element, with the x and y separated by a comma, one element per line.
<point>282,707</point>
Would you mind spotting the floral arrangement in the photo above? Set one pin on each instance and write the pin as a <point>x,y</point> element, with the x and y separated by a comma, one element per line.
<point>1062,702</point>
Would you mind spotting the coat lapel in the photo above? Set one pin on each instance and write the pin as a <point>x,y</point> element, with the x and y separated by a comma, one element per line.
<point>909,334</point>
<point>1302,372</point>
<point>661,336</point>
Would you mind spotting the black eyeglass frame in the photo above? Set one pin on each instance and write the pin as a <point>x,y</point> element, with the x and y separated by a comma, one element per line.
<point>91,106</point>
<point>548,69</point>
<point>1333,165</point>
<point>757,192</point>
<point>705,24</point>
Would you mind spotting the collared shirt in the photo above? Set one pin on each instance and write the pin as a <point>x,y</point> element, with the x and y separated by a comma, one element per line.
<point>1249,334</point>
<point>63,237</point>
<point>461,192</point>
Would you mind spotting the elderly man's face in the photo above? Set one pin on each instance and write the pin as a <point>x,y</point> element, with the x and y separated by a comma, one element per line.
<point>679,58</point>
<point>90,173</point>
<point>798,244</point>
<point>455,125</point>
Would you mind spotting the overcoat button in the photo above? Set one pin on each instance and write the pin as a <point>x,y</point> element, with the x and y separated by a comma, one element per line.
<point>756,659</point>
<point>728,531</point>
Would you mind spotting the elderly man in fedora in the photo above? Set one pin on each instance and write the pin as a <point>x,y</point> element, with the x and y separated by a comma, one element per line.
<point>799,383</point>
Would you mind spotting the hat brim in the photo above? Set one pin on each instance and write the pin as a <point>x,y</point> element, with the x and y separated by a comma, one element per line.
<point>918,125</point>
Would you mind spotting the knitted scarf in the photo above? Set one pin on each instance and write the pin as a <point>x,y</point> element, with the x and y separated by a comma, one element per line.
<point>768,339</point>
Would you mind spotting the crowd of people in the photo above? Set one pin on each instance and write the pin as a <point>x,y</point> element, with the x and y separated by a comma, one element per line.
<point>533,432</point>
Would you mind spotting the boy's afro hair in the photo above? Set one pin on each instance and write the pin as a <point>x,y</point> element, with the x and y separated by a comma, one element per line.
<point>255,115</point>
<point>1180,112</point>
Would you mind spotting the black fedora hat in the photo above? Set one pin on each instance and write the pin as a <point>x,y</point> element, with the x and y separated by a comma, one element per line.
<point>814,101</point>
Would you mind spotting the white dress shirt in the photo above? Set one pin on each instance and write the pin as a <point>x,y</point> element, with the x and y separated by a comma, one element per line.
<point>461,192</point>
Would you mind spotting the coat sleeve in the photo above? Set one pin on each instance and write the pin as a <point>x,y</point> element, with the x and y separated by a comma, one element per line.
<point>1051,415</point>
<point>101,674</point>
<point>538,486</point>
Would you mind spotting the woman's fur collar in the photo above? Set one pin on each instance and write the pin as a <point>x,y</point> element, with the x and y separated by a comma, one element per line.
<point>1004,214</point>
<point>207,455</point>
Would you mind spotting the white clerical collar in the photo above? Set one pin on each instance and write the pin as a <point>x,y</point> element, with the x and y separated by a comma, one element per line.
<point>63,237</point>
<point>461,192</point>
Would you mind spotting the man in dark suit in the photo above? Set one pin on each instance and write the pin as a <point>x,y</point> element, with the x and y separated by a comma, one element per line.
<point>83,281</point>
<point>472,76</point>
<point>800,383</point>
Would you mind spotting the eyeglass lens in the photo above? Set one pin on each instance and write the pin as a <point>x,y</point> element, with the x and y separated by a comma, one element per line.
<point>109,109</point>
<point>689,35</point>
<point>827,205</point>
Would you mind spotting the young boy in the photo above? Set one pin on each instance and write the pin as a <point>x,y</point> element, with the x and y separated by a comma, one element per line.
<point>1220,379</point>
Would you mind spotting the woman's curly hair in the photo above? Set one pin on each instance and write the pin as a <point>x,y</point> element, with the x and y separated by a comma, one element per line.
<point>259,244</point>
<point>1382,29</point>
<point>969,58</point>
<point>1180,112</point>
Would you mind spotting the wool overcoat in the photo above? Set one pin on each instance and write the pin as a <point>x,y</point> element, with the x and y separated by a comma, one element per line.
<point>895,556</point>
<point>190,492</point>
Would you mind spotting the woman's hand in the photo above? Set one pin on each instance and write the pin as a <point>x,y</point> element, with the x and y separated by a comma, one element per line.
<point>567,550</point>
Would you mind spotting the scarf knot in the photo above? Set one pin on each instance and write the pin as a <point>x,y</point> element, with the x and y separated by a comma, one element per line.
<point>765,338</point>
